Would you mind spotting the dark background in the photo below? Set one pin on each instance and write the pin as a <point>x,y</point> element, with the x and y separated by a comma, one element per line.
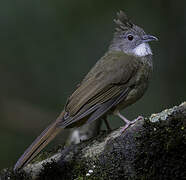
<point>46,49</point>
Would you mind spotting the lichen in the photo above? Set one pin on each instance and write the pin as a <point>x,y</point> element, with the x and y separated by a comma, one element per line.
<point>146,151</point>
<point>162,116</point>
<point>150,149</point>
<point>161,153</point>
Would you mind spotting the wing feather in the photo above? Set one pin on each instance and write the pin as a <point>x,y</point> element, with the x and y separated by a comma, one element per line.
<point>100,86</point>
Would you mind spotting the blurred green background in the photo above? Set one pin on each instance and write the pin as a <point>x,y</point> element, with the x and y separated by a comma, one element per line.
<point>46,47</point>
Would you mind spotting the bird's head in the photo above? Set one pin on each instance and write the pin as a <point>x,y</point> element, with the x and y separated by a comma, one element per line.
<point>130,38</point>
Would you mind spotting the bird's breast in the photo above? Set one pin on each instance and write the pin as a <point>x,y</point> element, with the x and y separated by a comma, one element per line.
<point>139,85</point>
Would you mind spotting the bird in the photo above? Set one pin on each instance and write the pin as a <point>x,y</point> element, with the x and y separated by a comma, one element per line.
<point>117,80</point>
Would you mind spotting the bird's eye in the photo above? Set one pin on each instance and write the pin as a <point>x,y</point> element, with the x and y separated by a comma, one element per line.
<point>130,37</point>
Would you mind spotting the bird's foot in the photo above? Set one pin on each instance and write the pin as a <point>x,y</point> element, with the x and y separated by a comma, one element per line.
<point>129,123</point>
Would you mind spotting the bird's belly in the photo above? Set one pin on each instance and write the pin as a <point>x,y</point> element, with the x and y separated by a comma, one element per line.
<point>133,96</point>
<point>140,86</point>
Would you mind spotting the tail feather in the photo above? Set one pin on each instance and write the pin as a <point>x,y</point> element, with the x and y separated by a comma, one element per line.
<point>40,142</point>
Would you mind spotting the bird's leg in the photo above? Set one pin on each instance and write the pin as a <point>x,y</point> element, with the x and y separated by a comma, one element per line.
<point>106,123</point>
<point>128,123</point>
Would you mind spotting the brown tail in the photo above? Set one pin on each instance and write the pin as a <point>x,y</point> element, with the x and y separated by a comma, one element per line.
<point>40,142</point>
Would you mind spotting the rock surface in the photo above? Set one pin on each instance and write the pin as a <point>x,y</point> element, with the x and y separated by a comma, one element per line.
<point>153,148</point>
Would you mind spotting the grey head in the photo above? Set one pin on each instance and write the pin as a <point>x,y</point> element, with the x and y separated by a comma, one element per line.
<point>130,38</point>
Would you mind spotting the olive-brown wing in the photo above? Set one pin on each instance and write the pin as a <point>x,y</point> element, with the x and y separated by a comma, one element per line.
<point>102,89</point>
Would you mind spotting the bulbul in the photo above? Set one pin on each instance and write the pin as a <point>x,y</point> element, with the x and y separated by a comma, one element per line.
<point>116,81</point>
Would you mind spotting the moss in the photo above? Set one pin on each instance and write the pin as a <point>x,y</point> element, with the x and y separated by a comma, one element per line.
<point>145,151</point>
<point>54,171</point>
<point>9,174</point>
<point>155,151</point>
<point>152,151</point>
<point>76,168</point>
<point>112,163</point>
<point>64,169</point>
<point>162,151</point>
<point>47,154</point>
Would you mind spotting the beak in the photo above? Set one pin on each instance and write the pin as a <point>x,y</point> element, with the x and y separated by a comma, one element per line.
<point>147,38</point>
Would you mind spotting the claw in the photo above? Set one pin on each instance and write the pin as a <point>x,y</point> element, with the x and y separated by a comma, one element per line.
<point>129,123</point>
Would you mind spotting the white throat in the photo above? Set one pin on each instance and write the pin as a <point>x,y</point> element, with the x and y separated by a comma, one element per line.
<point>142,50</point>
